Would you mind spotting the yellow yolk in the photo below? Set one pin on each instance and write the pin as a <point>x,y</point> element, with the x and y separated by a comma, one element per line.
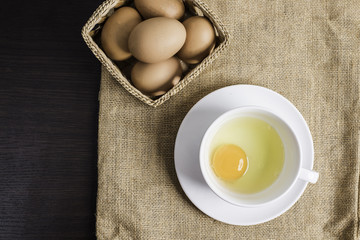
<point>229,162</point>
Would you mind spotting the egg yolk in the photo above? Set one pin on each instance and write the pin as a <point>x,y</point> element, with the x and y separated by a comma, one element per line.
<point>229,162</point>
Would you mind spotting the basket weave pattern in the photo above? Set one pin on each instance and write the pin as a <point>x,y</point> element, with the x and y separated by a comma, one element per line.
<point>106,9</point>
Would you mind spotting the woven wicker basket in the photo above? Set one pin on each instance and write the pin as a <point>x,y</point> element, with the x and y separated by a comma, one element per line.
<point>92,30</point>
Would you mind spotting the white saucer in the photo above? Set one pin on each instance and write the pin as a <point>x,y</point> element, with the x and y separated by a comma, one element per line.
<point>189,137</point>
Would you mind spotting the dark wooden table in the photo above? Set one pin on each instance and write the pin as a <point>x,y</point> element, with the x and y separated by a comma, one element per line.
<point>49,83</point>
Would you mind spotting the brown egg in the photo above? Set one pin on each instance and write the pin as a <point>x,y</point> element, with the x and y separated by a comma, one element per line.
<point>200,40</point>
<point>160,8</point>
<point>155,79</point>
<point>156,39</point>
<point>116,31</point>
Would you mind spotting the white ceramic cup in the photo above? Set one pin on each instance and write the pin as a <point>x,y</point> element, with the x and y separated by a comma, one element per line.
<point>291,171</point>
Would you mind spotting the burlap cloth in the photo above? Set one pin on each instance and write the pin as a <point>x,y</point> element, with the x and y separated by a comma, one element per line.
<point>308,51</point>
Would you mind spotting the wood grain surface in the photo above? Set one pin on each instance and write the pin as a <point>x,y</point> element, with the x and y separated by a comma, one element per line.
<point>49,83</point>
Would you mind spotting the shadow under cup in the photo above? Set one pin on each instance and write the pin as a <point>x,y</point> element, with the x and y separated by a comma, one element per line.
<point>292,159</point>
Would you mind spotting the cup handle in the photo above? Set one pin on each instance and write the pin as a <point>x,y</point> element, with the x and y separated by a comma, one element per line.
<point>308,175</point>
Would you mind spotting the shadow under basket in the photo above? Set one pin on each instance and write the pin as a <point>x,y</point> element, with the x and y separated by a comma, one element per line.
<point>121,70</point>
